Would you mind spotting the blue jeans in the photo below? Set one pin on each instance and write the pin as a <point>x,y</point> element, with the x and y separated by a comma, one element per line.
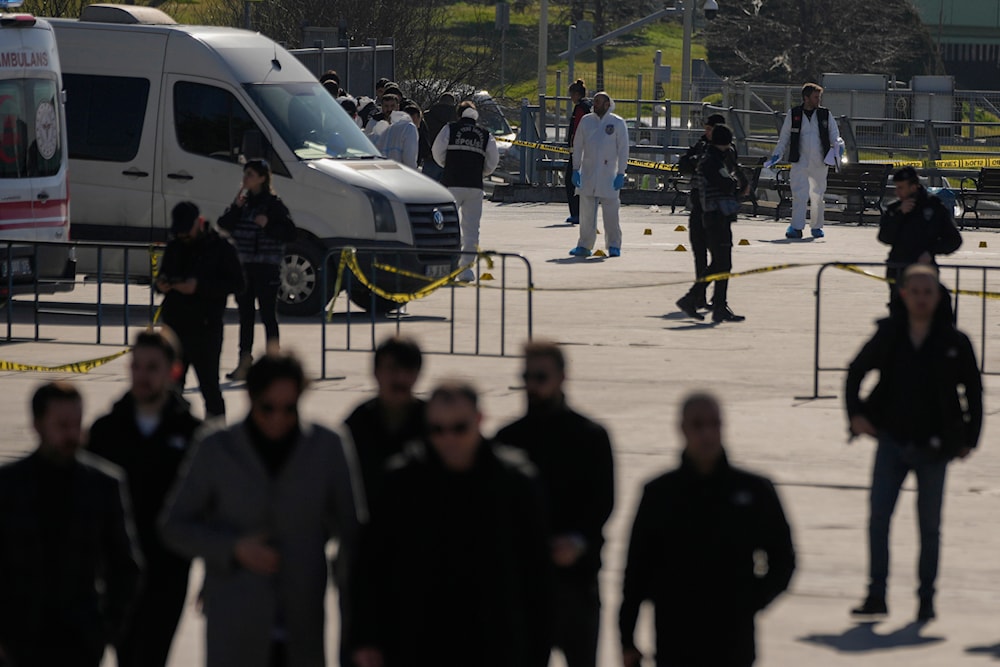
<point>893,462</point>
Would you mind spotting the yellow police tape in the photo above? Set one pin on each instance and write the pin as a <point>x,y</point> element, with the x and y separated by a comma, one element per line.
<point>78,367</point>
<point>349,261</point>
<point>551,148</point>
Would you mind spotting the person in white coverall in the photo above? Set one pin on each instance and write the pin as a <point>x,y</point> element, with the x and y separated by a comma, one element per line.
<point>600,157</point>
<point>810,140</point>
<point>468,154</point>
<point>401,142</point>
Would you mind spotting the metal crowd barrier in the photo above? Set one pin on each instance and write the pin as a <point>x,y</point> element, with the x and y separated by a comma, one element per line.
<point>33,287</point>
<point>485,304</point>
<point>979,291</point>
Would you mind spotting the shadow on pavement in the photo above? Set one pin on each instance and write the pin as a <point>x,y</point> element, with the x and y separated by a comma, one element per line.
<point>862,638</point>
<point>993,651</point>
<point>787,241</point>
<point>694,326</point>
<point>575,260</point>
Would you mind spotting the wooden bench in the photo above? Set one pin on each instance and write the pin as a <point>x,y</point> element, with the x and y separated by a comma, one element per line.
<point>862,184</point>
<point>987,186</point>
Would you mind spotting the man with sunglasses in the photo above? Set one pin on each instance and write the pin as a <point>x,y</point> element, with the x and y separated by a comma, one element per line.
<point>199,270</point>
<point>710,548</point>
<point>258,503</point>
<point>454,569</point>
<point>575,463</point>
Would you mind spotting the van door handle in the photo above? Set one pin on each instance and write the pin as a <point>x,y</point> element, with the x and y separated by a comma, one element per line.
<point>180,177</point>
<point>43,196</point>
<point>135,173</point>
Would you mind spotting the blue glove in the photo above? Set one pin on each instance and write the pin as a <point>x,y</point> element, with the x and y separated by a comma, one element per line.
<point>619,181</point>
<point>576,178</point>
<point>773,160</point>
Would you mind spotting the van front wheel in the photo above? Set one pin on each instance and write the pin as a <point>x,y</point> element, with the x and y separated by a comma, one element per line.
<point>300,292</point>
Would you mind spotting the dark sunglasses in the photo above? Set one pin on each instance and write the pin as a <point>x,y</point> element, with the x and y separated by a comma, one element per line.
<point>536,376</point>
<point>459,428</point>
<point>271,408</point>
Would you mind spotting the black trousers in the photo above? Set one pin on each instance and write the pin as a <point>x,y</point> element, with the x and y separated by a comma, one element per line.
<point>262,282</point>
<point>577,619</point>
<point>719,232</point>
<point>699,248</point>
<point>150,631</point>
<point>202,350</point>
<point>572,198</point>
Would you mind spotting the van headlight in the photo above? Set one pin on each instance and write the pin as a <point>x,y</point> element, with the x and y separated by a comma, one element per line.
<point>385,219</point>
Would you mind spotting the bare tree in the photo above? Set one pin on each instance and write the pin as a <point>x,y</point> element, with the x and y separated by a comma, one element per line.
<point>790,41</point>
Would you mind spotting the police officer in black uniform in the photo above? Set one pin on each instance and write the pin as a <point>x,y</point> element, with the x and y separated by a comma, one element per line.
<point>200,269</point>
<point>688,165</point>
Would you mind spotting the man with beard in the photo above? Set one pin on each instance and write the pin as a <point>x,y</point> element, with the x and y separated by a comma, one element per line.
<point>574,461</point>
<point>147,434</point>
<point>68,566</point>
<point>382,426</point>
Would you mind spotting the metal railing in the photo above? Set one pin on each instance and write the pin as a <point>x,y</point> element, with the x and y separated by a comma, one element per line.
<point>980,291</point>
<point>36,289</point>
<point>445,314</point>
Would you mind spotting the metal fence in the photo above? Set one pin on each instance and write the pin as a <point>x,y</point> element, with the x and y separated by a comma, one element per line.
<point>976,285</point>
<point>483,318</point>
<point>112,306</point>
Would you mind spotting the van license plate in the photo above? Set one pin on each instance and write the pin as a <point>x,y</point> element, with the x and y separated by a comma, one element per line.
<point>437,270</point>
<point>20,266</point>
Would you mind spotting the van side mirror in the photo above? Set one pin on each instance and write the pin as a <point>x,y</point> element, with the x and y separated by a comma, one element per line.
<point>253,145</point>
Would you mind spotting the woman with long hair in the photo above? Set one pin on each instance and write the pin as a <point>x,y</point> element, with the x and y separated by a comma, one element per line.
<point>259,224</point>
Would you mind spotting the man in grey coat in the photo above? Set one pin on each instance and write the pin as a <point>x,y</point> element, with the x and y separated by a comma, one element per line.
<point>259,501</point>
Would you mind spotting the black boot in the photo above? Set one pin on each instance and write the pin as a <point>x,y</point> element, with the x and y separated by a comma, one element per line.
<point>689,307</point>
<point>872,607</point>
<point>725,314</point>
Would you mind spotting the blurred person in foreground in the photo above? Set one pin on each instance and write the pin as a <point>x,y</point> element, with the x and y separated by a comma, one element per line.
<point>710,548</point>
<point>576,466</point>
<point>455,565</point>
<point>259,501</point>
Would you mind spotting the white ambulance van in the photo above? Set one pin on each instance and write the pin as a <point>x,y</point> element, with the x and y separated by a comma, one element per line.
<point>34,203</point>
<point>160,113</point>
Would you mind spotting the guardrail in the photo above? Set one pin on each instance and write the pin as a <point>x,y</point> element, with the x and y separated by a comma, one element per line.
<point>982,293</point>
<point>35,287</point>
<point>396,275</point>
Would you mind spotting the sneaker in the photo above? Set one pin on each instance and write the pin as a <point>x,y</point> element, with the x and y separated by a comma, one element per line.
<point>926,611</point>
<point>871,608</point>
<point>792,233</point>
<point>726,315</point>
<point>614,252</point>
<point>239,373</point>
<point>688,308</point>
<point>818,233</point>
<point>573,220</point>
<point>579,251</point>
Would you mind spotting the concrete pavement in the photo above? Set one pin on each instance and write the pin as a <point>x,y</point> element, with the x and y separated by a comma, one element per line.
<point>632,357</point>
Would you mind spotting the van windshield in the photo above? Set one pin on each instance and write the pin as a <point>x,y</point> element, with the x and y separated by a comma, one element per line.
<point>311,122</point>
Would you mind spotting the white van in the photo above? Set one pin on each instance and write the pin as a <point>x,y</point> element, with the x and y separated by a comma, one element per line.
<point>34,203</point>
<point>160,113</point>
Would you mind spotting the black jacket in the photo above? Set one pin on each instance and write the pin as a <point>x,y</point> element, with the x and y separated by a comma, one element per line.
<point>574,461</point>
<point>150,465</point>
<point>719,176</point>
<point>929,227</point>
<point>438,117</point>
<point>375,444</point>
<point>696,543</point>
<point>929,377</point>
<point>454,568</point>
<point>213,262</point>
<point>256,244</point>
<point>688,163</point>
<point>68,566</point>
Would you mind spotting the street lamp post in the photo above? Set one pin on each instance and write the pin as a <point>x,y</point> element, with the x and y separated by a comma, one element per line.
<point>543,47</point>
<point>686,50</point>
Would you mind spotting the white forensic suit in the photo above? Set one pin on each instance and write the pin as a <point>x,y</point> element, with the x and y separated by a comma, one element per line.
<point>808,177</point>
<point>600,154</point>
